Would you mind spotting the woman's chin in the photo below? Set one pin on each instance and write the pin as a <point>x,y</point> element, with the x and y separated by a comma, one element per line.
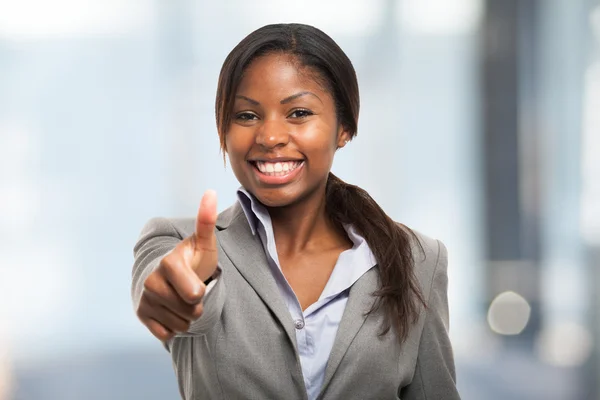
<point>274,197</point>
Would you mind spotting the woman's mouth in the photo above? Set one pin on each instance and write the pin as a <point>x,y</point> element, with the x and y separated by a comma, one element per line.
<point>279,168</point>
<point>276,172</point>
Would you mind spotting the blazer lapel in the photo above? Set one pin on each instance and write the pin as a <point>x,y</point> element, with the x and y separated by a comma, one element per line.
<point>247,254</point>
<point>360,300</point>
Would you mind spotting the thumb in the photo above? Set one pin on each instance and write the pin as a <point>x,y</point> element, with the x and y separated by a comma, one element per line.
<point>205,222</point>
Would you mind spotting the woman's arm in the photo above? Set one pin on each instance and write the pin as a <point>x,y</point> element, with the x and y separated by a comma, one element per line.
<point>157,241</point>
<point>435,376</point>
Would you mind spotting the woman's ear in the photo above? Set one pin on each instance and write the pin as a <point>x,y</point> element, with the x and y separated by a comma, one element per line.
<point>343,137</point>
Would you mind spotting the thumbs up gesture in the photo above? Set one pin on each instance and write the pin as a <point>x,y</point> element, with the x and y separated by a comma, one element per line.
<point>173,292</point>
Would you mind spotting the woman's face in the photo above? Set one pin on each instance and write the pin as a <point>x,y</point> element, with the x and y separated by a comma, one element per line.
<point>284,131</point>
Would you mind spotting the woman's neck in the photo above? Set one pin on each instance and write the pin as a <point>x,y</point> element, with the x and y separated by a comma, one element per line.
<point>304,226</point>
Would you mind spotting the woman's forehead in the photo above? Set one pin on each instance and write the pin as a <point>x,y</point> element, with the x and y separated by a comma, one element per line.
<point>276,73</point>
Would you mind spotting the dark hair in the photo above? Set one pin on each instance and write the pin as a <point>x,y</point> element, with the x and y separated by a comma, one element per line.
<point>399,295</point>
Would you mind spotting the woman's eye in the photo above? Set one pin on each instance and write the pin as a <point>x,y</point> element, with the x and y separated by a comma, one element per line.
<point>245,116</point>
<point>301,114</point>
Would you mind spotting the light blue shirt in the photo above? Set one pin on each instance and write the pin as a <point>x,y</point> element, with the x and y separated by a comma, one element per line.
<point>316,326</point>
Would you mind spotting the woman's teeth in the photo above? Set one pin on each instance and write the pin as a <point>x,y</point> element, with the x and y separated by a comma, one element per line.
<point>277,168</point>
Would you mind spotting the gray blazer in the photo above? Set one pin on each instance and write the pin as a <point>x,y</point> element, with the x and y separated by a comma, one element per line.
<point>244,345</point>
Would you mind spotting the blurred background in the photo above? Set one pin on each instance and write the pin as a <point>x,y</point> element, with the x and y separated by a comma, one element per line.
<point>480,126</point>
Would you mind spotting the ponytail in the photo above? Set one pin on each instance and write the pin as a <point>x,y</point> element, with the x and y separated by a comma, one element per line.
<point>399,295</point>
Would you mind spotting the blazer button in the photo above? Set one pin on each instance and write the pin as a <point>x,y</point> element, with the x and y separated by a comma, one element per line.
<point>299,324</point>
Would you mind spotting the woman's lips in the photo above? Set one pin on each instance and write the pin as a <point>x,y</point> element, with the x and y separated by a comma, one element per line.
<point>276,172</point>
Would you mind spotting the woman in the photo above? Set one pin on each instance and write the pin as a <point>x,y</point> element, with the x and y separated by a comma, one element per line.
<point>305,288</point>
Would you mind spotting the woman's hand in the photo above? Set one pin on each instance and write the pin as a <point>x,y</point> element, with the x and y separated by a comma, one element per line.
<point>173,292</point>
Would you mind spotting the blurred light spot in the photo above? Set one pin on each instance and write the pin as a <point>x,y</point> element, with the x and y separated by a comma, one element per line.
<point>564,345</point>
<point>31,19</point>
<point>590,194</point>
<point>434,17</point>
<point>508,314</point>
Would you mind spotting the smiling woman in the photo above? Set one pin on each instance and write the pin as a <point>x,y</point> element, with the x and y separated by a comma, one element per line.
<point>304,288</point>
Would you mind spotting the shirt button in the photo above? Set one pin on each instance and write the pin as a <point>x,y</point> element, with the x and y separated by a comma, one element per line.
<point>299,324</point>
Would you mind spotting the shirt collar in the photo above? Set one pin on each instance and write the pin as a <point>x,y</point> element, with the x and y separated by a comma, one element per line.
<point>251,208</point>
<point>255,212</point>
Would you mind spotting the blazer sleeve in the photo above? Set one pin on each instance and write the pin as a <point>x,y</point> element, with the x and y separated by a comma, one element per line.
<point>159,237</point>
<point>435,376</point>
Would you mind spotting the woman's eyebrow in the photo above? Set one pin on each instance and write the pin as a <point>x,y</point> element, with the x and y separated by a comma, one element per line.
<point>248,99</point>
<point>295,96</point>
<point>284,101</point>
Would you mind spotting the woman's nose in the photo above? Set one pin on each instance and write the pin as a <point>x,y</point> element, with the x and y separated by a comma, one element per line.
<point>272,133</point>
